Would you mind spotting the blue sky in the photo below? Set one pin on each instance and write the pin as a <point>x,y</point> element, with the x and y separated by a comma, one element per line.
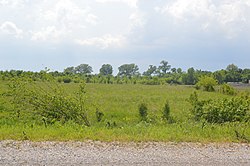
<point>205,34</point>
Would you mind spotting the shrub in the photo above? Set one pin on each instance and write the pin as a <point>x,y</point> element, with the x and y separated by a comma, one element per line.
<point>207,83</point>
<point>67,80</point>
<point>143,111</point>
<point>99,115</point>
<point>50,103</point>
<point>220,111</point>
<point>60,79</point>
<point>227,89</point>
<point>166,113</point>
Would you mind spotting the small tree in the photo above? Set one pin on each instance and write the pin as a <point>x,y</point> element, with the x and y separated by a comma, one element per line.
<point>166,114</point>
<point>143,111</point>
<point>207,83</point>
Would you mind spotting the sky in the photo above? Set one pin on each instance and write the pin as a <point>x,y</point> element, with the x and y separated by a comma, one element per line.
<point>204,34</point>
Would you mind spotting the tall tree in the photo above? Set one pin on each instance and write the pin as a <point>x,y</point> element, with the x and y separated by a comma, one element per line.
<point>69,70</point>
<point>84,69</point>
<point>128,70</point>
<point>233,73</point>
<point>189,78</point>
<point>151,70</point>
<point>164,67</point>
<point>106,69</point>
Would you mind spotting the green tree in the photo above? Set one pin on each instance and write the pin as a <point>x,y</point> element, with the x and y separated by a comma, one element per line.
<point>233,73</point>
<point>69,70</point>
<point>84,69</point>
<point>151,70</point>
<point>245,75</point>
<point>220,76</point>
<point>106,69</point>
<point>207,83</point>
<point>164,67</point>
<point>128,70</point>
<point>189,78</point>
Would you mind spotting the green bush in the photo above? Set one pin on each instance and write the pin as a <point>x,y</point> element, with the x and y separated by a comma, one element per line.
<point>220,111</point>
<point>67,80</point>
<point>50,103</point>
<point>143,112</point>
<point>166,113</point>
<point>207,83</point>
<point>227,89</point>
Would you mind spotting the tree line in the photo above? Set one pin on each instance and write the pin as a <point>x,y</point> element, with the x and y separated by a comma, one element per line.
<point>129,74</point>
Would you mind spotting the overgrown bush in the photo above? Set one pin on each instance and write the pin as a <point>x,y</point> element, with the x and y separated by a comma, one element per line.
<point>166,113</point>
<point>220,111</point>
<point>67,80</point>
<point>50,103</point>
<point>227,89</point>
<point>207,83</point>
<point>143,112</point>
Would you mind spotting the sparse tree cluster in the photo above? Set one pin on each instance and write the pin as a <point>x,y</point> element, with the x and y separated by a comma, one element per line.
<point>129,73</point>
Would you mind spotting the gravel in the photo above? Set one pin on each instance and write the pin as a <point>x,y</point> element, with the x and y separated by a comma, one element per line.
<point>100,153</point>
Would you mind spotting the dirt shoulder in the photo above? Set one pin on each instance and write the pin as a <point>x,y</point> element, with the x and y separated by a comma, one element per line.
<point>99,153</point>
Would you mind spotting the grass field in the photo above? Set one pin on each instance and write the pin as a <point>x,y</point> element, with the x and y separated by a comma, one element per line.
<point>121,121</point>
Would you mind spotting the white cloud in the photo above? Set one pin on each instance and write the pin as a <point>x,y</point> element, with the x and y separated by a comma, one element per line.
<point>92,19</point>
<point>106,41</point>
<point>11,29</point>
<point>130,3</point>
<point>228,17</point>
<point>137,19</point>
<point>13,3</point>
<point>47,34</point>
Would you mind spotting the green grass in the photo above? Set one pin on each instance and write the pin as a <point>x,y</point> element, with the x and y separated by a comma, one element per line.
<point>119,103</point>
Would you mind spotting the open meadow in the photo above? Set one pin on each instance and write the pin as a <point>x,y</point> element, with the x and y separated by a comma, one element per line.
<point>112,113</point>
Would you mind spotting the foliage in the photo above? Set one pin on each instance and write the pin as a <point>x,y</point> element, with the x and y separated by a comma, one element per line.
<point>143,111</point>
<point>207,83</point>
<point>106,69</point>
<point>50,103</point>
<point>99,115</point>
<point>83,69</point>
<point>151,71</point>
<point>227,89</point>
<point>163,68</point>
<point>220,111</point>
<point>128,70</point>
<point>67,80</point>
<point>189,78</point>
<point>166,113</point>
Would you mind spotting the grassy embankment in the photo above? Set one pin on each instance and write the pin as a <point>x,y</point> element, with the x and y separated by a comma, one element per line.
<point>119,103</point>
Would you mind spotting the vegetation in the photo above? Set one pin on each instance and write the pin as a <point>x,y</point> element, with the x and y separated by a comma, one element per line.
<point>129,74</point>
<point>76,105</point>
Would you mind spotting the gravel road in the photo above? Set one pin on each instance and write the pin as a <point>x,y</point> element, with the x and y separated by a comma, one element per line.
<point>99,153</point>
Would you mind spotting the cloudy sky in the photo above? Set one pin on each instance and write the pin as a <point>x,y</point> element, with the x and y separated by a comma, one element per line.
<point>205,34</point>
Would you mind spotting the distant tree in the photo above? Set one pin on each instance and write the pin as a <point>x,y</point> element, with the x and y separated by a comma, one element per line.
<point>128,70</point>
<point>69,70</point>
<point>83,69</point>
<point>151,70</point>
<point>220,76</point>
<point>106,69</point>
<point>233,73</point>
<point>173,70</point>
<point>179,70</point>
<point>189,78</point>
<point>164,67</point>
<point>245,75</point>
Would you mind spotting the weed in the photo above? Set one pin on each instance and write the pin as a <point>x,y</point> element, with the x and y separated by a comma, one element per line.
<point>143,111</point>
<point>99,115</point>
